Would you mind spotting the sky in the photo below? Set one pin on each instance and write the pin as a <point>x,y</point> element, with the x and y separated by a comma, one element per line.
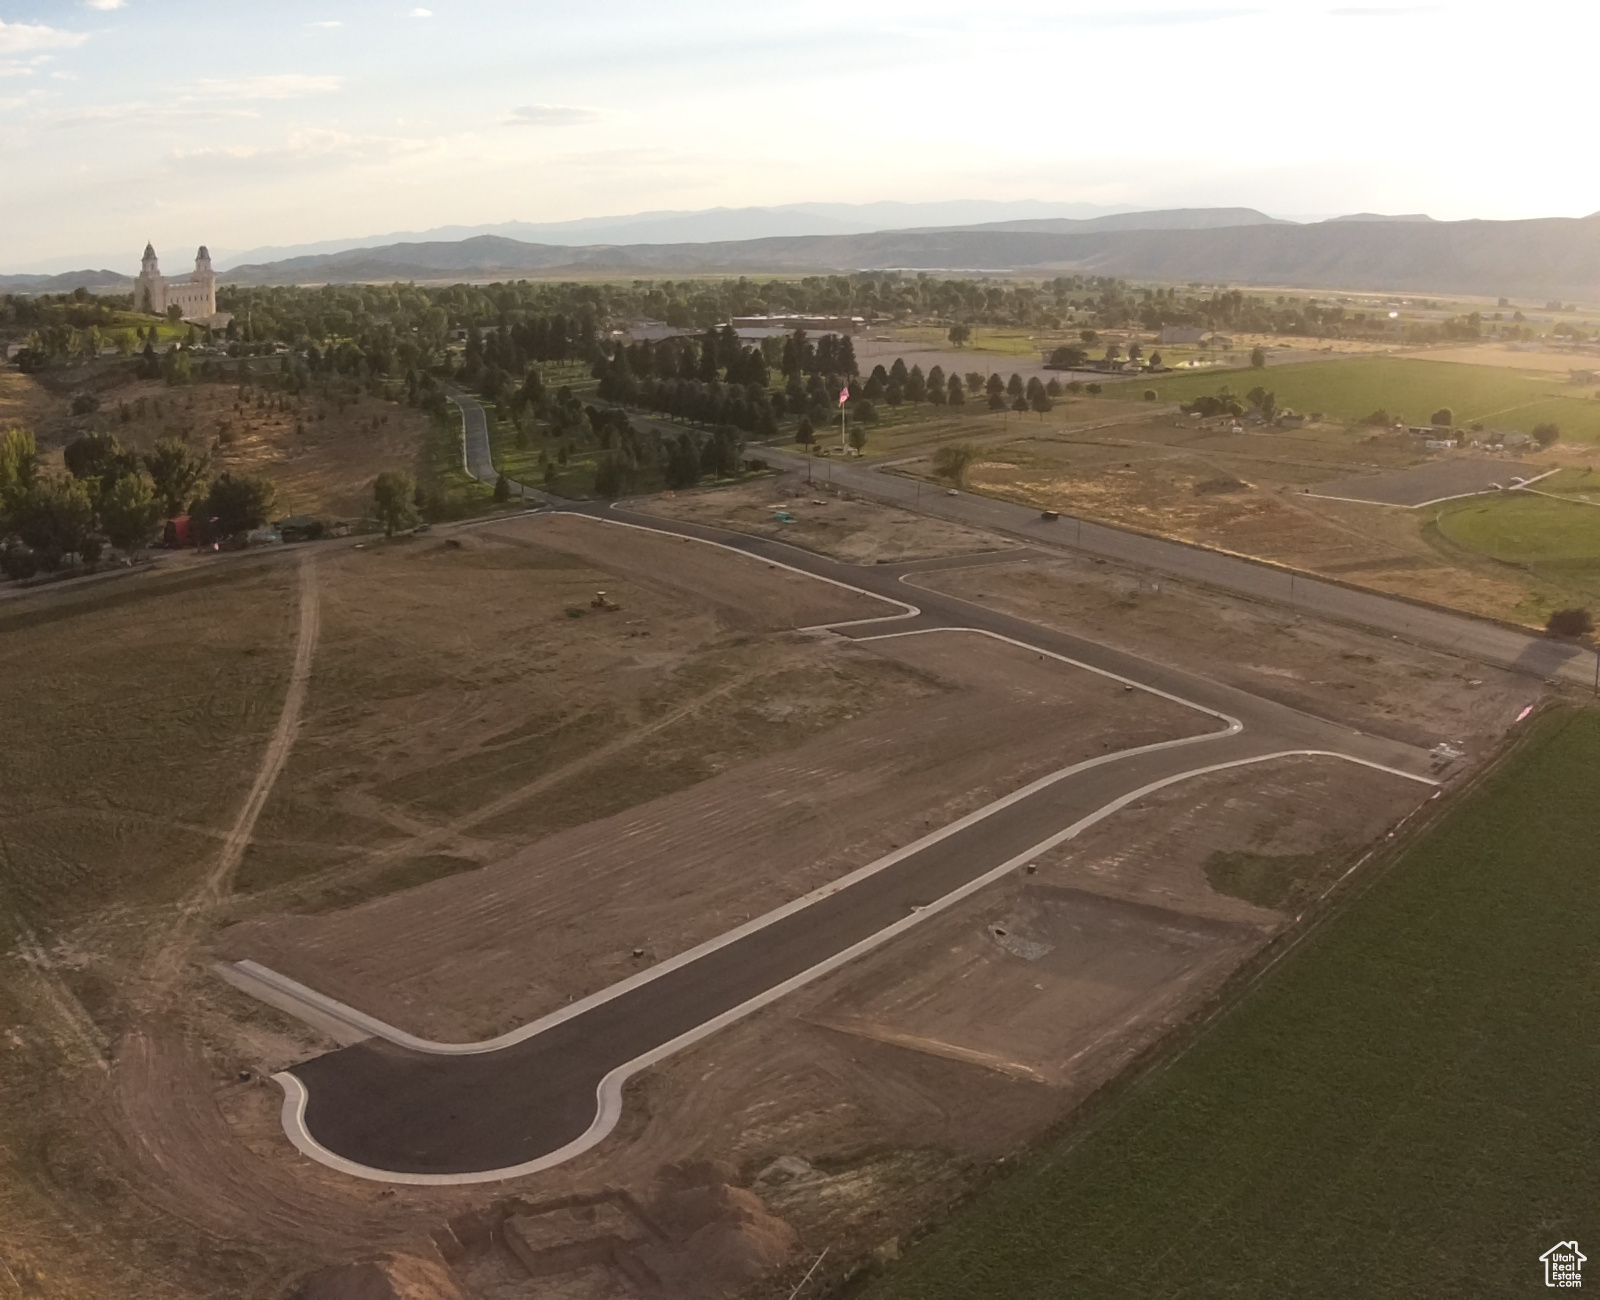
<point>246,124</point>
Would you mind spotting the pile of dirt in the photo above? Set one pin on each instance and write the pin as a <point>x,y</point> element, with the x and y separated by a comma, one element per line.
<point>389,1277</point>
<point>729,1239</point>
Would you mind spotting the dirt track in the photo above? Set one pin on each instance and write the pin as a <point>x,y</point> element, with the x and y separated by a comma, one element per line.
<point>454,960</point>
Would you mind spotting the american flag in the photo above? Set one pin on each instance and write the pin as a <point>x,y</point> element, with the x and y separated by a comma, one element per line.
<point>844,395</point>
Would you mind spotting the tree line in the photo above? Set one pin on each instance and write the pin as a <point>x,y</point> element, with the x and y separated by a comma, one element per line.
<point>110,494</point>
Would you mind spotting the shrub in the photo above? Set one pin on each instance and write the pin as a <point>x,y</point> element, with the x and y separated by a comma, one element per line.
<point>1443,418</point>
<point>1379,419</point>
<point>1570,622</point>
<point>19,563</point>
<point>1149,394</point>
<point>1093,389</point>
<point>1546,435</point>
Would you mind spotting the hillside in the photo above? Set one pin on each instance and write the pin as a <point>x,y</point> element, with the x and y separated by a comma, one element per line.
<point>1549,257</point>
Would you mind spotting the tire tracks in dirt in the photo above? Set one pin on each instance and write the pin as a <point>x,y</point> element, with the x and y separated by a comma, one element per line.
<point>166,963</point>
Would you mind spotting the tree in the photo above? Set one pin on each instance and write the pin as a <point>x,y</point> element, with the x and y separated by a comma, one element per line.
<point>1040,402</point>
<point>239,503</point>
<point>393,499</point>
<point>952,461</point>
<point>1570,622</point>
<point>19,463</point>
<point>803,434</point>
<point>960,334</point>
<point>1546,435</point>
<point>609,478</point>
<point>997,401</point>
<point>1069,358</point>
<point>130,511</point>
<point>1443,418</point>
<point>998,385</point>
<point>957,390</point>
<point>174,473</point>
<point>99,458</point>
<point>54,515</point>
<point>1258,358</point>
<point>1155,361</point>
<point>502,486</point>
<point>1014,386</point>
<point>858,437</point>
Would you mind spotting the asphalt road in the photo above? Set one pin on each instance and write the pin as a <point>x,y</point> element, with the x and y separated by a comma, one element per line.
<point>412,1112</point>
<point>1457,633</point>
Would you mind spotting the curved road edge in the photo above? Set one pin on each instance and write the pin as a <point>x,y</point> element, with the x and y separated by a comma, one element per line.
<point>609,1092</point>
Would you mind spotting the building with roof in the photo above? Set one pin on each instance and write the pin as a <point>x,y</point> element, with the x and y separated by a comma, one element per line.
<point>195,296</point>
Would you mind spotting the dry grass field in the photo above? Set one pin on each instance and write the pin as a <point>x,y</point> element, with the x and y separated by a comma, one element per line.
<point>500,798</point>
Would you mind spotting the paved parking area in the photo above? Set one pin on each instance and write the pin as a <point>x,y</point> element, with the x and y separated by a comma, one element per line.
<point>1422,485</point>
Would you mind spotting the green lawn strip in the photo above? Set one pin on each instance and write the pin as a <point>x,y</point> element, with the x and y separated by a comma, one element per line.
<point>1409,388</point>
<point>1402,1106</point>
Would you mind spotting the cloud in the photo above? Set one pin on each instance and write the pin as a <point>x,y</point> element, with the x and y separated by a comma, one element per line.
<point>421,13</point>
<point>328,22</point>
<point>302,150</point>
<point>106,5</point>
<point>136,113</point>
<point>17,37</point>
<point>1381,11</point>
<point>552,115</point>
<point>278,85</point>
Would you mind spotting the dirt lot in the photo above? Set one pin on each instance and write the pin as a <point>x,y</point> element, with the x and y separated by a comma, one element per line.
<point>1245,493</point>
<point>1365,680</point>
<point>470,759</point>
<point>824,521</point>
<point>451,961</point>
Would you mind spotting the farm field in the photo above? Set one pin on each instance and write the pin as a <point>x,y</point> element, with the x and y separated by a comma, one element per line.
<point>1410,389</point>
<point>1346,1125</point>
<point>1558,540</point>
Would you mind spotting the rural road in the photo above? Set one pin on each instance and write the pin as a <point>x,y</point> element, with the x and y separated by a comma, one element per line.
<point>1457,633</point>
<point>399,1109</point>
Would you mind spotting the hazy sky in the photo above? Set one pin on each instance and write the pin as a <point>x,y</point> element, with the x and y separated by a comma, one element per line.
<point>284,121</point>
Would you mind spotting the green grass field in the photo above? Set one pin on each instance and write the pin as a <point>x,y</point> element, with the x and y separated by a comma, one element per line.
<point>1409,388</point>
<point>1403,1106</point>
<point>1557,540</point>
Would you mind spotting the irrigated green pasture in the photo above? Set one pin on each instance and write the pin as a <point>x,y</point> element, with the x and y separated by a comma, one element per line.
<point>1558,540</point>
<point>1401,1107</point>
<point>1409,388</point>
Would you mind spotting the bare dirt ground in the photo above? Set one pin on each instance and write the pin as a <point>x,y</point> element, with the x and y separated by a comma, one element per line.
<point>462,727</point>
<point>451,960</point>
<point>823,520</point>
<point>1244,493</point>
<point>1368,681</point>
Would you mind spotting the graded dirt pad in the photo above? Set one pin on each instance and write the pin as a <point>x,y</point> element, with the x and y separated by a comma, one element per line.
<point>861,1104</point>
<point>1375,683</point>
<point>747,593</point>
<point>480,953</point>
<point>468,698</point>
<point>861,532</point>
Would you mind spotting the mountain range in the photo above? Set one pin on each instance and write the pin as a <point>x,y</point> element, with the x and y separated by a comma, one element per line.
<point>1542,258</point>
